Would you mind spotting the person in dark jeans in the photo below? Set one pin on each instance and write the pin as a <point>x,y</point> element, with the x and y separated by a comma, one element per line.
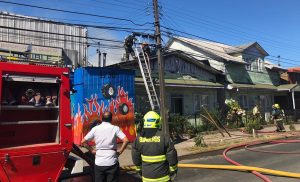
<point>107,173</point>
<point>105,136</point>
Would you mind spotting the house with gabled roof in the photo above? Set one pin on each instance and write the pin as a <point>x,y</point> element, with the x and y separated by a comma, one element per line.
<point>290,101</point>
<point>248,78</point>
<point>189,83</point>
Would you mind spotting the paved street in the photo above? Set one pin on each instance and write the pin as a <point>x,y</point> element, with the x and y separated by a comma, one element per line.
<point>289,163</point>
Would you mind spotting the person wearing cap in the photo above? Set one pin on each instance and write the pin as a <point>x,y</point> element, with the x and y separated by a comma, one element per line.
<point>105,137</point>
<point>153,152</point>
<point>277,117</point>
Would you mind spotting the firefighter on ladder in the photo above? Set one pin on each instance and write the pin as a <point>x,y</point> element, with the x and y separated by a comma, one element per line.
<point>128,43</point>
<point>153,152</point>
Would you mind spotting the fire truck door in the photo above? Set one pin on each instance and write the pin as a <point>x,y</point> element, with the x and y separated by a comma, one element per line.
<point>3,176</point>
<point>35,167</point>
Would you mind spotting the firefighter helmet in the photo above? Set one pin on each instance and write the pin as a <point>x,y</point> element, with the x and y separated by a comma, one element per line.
<point>276,106</point>
<point>152,120</point>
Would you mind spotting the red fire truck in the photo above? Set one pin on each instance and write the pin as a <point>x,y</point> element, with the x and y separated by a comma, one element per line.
<point>38,130</point>
<point>35,120</point>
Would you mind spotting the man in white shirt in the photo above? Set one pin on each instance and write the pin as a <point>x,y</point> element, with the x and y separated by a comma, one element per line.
<point>105,136</point>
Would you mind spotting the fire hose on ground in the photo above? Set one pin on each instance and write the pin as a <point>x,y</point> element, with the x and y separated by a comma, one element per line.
<point>238,167</point>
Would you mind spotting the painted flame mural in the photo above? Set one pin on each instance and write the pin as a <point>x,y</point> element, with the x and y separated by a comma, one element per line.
<point>121,106</point>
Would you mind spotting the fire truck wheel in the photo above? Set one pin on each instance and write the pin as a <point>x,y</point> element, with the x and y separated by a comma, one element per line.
<point>108,91</point>
<point>124,109</point>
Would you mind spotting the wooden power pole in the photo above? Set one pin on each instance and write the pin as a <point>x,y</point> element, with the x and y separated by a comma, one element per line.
<point>163,113</point>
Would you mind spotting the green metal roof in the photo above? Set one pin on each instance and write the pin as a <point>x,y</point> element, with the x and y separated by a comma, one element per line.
<point>254,86</point>
<point>289,87</point>
<point>285,87</point>
<point>186,83</point>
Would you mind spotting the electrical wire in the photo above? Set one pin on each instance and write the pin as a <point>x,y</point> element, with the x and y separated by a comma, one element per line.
<point>119,5</point>
<point>236,35</point>
<point>49,40</point>
<point>60,34</point>
<point>211,43</point>
<point>202,56</point>
<point>126,29</point>
<point>177,12</point>
<point>73,12</point>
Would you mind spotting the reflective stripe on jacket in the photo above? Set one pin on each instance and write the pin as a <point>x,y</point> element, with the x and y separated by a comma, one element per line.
<point>155,155</point>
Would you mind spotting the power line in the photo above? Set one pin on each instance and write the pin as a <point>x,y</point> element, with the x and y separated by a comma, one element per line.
<point>73,12</point>
<point>235,35</point>
<point>52,39</point>
<point>219,26</point>
<point>177,12</point>
<point>213,41</point>
<point>125,29</point>
<point>119,5</point>
<point>68,35</point>
<point>206,57</point>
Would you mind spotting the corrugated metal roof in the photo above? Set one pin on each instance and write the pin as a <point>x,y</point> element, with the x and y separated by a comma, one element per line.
<point>270,65</point>
<point>253,86</point>
<point>36,31</point>
<point>213,48</point>
<point>288,87</point>
<point>242,48</point>
<point>186,83</point>
<point>284,87</point>
<point>296,69</point>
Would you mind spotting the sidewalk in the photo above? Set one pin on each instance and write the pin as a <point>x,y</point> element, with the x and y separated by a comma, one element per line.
<point>216,142</point>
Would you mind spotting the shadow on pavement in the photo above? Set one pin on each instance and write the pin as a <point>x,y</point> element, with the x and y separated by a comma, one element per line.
<point>129,177</point>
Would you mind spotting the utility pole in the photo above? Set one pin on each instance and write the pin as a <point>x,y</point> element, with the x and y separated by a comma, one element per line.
<point>163,113</point>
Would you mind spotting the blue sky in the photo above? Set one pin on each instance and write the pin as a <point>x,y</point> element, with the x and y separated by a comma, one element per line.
<point>274,24</point>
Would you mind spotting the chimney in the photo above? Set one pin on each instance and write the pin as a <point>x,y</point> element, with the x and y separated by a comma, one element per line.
<point>99,58</point>
<point>104,59</point>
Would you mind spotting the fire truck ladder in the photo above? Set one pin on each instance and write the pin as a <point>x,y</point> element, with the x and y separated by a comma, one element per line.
<point>146,74</point>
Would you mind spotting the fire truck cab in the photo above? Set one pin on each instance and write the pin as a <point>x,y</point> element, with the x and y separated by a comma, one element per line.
<point>35,121</point>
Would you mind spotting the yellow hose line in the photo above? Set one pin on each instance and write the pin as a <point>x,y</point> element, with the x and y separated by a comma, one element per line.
<point>231,167</point>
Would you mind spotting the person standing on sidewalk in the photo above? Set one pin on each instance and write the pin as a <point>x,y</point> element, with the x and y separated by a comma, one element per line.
<point>153,152</point>
<point>105,136</point>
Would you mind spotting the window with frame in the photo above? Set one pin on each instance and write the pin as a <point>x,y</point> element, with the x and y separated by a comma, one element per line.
<point>260,65</point>
<point>248,66</point>
<point>199,101</point>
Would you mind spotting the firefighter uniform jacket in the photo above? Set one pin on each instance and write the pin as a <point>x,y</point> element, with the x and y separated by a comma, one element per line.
<point>154,154</point>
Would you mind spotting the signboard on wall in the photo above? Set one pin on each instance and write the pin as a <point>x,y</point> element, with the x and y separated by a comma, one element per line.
<point>29,52</point>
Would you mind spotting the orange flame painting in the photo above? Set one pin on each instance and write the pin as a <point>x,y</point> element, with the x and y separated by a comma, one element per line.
<point>122,108</point>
